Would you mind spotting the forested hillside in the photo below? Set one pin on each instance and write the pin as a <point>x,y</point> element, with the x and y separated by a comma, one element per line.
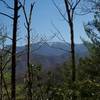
<point>49,49</point>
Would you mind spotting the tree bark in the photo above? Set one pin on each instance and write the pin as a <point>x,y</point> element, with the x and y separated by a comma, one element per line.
<point>70,12</point>
<point>73,53</point>
<point>1,73</point>
<point>13,76</point>
<point>28,66</point>
<point>70,22</point>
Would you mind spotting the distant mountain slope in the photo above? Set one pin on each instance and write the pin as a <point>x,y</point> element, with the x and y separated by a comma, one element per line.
<point>49,55</point>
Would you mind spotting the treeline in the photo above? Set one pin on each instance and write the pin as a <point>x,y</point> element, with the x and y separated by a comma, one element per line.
<point>73,80</point>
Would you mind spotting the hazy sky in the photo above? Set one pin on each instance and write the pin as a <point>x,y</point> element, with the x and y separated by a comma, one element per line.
<point>44,14</point>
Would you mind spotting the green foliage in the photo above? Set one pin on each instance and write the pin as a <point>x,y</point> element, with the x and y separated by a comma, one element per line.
<point>89,89</point>
<point>88,68</point>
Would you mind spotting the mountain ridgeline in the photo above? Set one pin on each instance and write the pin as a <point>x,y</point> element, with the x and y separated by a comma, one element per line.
<point>49,55</point>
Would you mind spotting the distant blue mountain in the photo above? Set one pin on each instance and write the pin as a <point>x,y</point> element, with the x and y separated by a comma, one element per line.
<point>57,49</point>
<point>49,55</point>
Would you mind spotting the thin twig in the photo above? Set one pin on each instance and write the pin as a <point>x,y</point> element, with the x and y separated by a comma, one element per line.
<point>6,15</point>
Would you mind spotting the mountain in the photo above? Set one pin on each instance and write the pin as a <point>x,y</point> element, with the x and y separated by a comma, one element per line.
<point>49,55</point>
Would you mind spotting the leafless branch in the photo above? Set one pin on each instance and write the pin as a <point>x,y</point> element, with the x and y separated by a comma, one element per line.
<point>6,4</point>
<point>58,32</point>
<point>6,36</point>
<point>6,15</point>
<point>6,88</point>
<point>77,2</point>
<point>31,9</point>
<point>6,63</point>
<point>64,17</point>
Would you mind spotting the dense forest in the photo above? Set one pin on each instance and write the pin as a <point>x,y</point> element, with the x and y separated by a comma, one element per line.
<point>42,70</point>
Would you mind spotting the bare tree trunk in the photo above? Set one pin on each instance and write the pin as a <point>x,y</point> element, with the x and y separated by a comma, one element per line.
<point>1,66</point>
<point>1,73</point>
<point>70,6</point>
<point>70,22</point>
<point>28,28</point>
<point>13,76</point>
<point>29,67</point>
<point>73,57</point>
<point>73,53</point>
<point>70,13</point>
